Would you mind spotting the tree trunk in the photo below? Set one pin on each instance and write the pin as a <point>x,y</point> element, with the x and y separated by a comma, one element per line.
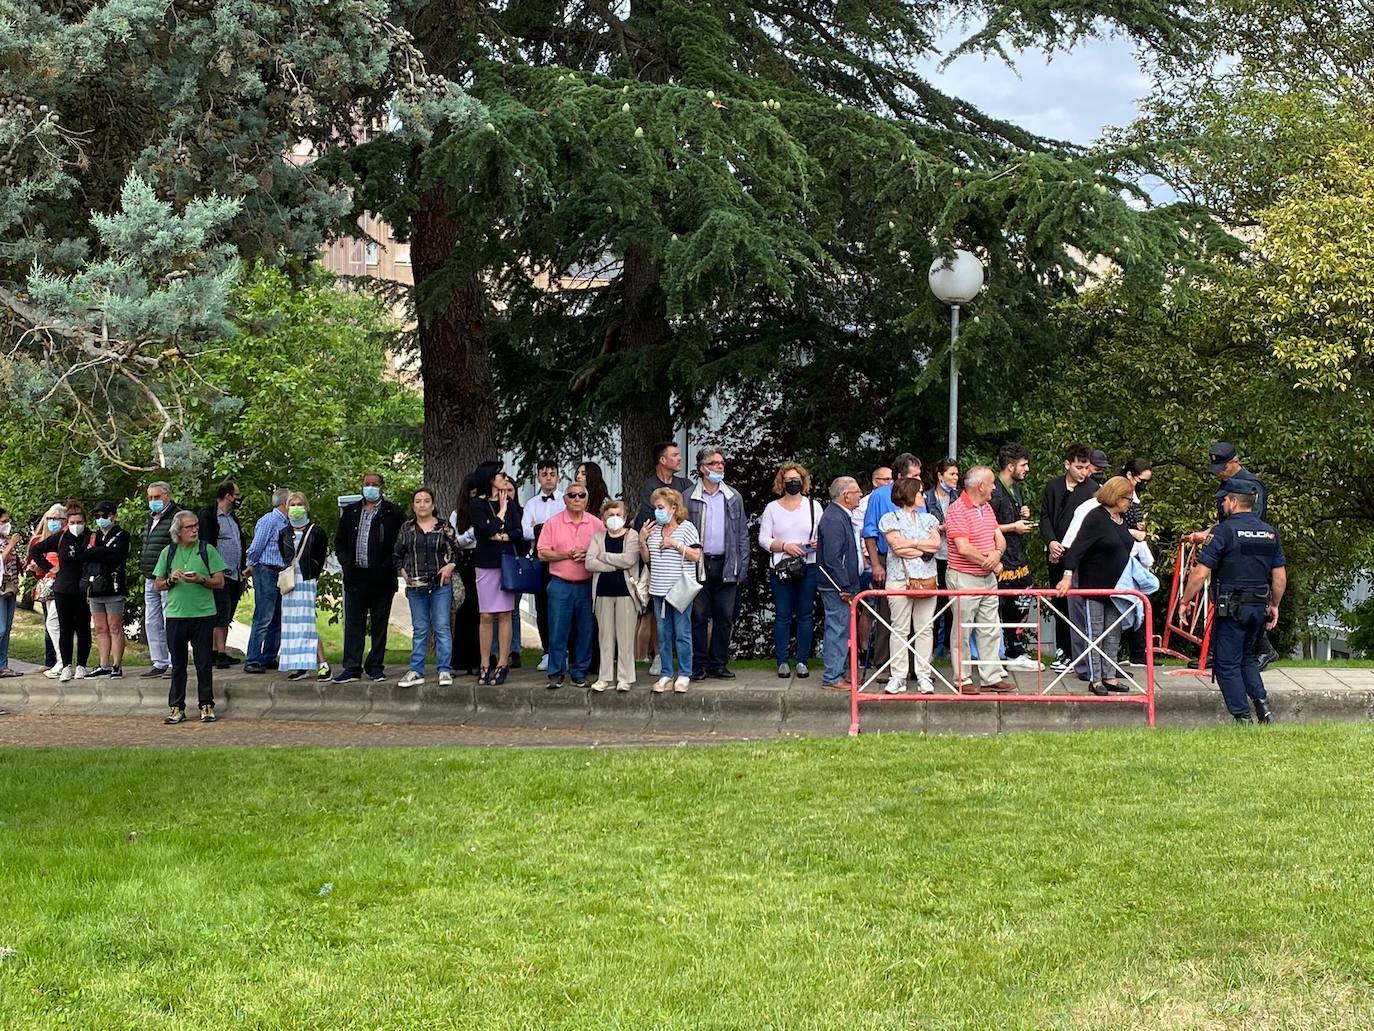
<point>644,328</point>
<point>455,363</point>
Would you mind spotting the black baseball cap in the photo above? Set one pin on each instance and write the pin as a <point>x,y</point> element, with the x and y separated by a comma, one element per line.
<point>1219,455</point>
<point>105,508</point>
<point>1099,459</point>
<point>1236,485</point>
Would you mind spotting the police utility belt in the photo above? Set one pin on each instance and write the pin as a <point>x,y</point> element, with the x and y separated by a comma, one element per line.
<point>1229,601</point>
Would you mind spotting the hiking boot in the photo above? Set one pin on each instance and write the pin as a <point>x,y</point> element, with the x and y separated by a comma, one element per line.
<point>177,715</point>
<point>207,714</point>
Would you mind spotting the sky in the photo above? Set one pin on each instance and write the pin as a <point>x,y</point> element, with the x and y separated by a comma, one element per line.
<point>1069,98</point>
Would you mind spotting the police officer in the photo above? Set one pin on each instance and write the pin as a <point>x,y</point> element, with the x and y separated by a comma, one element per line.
<point>1247,560</point>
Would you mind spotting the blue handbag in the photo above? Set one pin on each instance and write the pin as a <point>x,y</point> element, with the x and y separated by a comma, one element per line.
<point>519,575</point>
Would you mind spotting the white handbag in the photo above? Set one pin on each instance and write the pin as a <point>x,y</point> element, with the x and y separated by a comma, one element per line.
<point>685,591</point>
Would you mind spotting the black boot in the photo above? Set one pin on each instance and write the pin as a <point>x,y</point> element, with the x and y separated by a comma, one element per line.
<point>1263,713</point>
<point>1265,660</point>
<point>1244,719</point>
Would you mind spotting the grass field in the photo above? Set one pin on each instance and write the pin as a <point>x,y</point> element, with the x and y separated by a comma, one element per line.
<point>1107,880</point>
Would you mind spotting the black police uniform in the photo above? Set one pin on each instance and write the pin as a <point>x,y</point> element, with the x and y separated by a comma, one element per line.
<point>1244,475</point>
<point>1241,554</point>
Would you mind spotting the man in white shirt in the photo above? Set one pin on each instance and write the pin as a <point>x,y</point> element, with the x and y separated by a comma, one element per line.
<point>542,506</point>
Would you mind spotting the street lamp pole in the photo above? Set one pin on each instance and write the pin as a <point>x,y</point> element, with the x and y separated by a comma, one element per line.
<point>955,281</point>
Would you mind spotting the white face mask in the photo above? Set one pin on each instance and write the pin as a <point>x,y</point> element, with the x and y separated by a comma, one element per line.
<point>615,523</point>
<point>5,529</point>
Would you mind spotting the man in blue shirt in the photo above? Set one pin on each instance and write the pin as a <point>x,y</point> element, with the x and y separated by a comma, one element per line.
<point>265,561</point>
<point>904,467</point>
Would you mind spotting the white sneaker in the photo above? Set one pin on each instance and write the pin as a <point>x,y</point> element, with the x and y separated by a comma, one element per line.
<point>924,686</point>
<point>662,684</point>
<point>543,666</point>
<point>54,673</point>
<point>411,679</point>
<point>896,685</point>
<point>622,686</point>
<point>599,686</point>
<point>446,679</point>
<point>1027,662</point>
<point>66,674</point>
<point>80,672</point>
<point>681,684</point>
<point>655,667</point>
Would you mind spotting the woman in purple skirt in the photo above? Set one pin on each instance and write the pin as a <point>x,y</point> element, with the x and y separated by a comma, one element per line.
<point>496,525</point>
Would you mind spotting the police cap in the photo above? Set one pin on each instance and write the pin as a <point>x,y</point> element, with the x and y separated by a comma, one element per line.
<point>1219,456</point>
<point>1238,486</point>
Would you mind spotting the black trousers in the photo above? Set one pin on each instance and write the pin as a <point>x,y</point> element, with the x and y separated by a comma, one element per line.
<point>199,633</point>
<point>73,623</point>
<point>713,618</point>
<point>363,606</point>
<point>541,606</point>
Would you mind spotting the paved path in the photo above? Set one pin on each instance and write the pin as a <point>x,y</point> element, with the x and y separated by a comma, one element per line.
<point>272,710</point>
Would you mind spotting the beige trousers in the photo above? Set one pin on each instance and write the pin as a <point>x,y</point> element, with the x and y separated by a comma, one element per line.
<point>615,628</point>
<point>988,633</point>
<point>906,614</point>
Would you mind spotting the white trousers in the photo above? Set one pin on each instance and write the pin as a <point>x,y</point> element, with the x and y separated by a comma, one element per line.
<point>155,625</point>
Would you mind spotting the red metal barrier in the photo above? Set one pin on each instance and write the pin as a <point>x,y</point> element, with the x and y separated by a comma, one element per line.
<point>1140,694</point>
<point>1191,622</point>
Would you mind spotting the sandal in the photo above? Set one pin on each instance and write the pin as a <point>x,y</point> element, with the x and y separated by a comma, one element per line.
<point>484,675</point>
<point>499,677</point>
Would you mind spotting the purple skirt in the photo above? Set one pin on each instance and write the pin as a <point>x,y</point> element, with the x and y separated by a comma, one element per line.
<point>490,596</point>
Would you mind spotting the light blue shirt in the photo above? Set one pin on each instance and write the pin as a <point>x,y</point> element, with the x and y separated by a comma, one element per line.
<point>266,549</point>
<point>715,521</point>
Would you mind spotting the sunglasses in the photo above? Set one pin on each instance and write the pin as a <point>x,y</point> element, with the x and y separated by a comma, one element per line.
<point>575,495</point>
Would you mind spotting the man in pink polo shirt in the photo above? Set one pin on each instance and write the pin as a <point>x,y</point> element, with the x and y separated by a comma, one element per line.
<point>976,546</point>
<point>563,545</point>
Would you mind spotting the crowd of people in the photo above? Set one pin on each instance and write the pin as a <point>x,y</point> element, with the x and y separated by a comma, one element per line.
<point>654,575</point>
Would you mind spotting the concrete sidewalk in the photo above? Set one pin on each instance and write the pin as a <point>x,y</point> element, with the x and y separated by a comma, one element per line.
<point>756,704</point>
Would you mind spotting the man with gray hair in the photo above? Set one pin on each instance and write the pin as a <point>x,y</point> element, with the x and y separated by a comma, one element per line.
<point>272,550</point>
<point>189,571</point>
<point>157,534</point>
<point>718,512</point>
<point>976,547</point>
<point>838,563</point>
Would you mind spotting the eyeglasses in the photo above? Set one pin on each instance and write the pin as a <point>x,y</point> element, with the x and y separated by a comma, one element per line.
<point>575,495</point>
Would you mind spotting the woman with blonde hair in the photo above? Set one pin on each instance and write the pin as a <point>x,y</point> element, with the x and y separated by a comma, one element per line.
<point>669,542</point>
<point>301,650</point>
<point>787,531</point>
<point>54,521</point>
<point>613,559</point>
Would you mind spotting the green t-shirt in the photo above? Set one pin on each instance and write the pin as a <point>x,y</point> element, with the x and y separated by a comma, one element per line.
<point>187,600</point>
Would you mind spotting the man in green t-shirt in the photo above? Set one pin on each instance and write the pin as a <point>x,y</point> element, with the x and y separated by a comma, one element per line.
<point>188,572</point>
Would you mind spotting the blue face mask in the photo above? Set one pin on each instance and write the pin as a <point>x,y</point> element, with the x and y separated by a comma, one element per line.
<point>157,505</point>
<point>54,525</point>
<point>663,516</point>
<point>716,477</point>
<point>103,522</point>
<point>372,493</point>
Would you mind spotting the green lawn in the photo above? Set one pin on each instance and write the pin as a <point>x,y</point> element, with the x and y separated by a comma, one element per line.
<point>1106,880</point>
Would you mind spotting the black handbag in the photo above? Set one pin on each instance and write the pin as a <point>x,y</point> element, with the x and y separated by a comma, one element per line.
<point>794,568</point>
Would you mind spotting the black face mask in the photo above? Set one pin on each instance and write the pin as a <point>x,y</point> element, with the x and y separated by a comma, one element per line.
<point>238,502</point>
<point>792,486</point>
<point>1140,487</point>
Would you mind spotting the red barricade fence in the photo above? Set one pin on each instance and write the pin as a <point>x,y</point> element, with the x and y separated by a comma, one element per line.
<point>1191,622</point>
<point>1047,686</point>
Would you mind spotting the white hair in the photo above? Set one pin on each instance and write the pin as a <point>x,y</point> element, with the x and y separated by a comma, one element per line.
<point>975,476</point>
<point>840,484</point>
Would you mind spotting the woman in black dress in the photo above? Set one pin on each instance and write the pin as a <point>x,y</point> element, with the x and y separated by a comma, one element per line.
<point>1096,561</point>
<point>466,650</point>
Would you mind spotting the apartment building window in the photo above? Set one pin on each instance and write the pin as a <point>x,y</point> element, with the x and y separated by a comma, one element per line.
<point>371,253</point>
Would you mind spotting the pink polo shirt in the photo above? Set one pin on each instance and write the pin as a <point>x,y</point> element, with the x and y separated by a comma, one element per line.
<point>978,523</point>
<point>560,533</point>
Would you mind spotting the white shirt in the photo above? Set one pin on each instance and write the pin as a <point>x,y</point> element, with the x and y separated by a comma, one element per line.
<point>1076,522</point>
<point>856,517</point>
<point>539,509</point>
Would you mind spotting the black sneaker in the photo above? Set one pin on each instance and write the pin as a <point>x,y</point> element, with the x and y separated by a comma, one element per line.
<point>116,672</point>
<point>346,677</point>
<point>275,664</point>
<point>156,671</point>
<point>297,674</point>
<point>724,673</point>
<point>99,671</point>
<point>377,678</point>
<point>223,662</point>
<point>177,715</point>
<point>254,667</point>
<point>207,714</point>
<point>580,683</point>
<point>554,683</point>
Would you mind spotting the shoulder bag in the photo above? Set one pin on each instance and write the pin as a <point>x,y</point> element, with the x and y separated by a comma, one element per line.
<point>688,586</point>
<point>286,579</point>
<point>792,567</point>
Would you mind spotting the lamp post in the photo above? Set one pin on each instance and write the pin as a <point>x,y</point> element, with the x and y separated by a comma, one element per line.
<point>955,281</point>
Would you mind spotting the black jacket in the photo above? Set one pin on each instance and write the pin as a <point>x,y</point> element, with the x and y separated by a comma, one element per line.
<point>485,522</point>
<point>381,549</point>
<point>108,559</point>
<point>316,550</point>
<point>71,553</point>
<point>1059,504</point>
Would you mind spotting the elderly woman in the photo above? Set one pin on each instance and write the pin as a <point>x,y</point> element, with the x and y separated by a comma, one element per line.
<point>52,523</point>
<point>301,650</point>
<point>426,556</point>
<point>64,554</point>
<point>187,573</point>
<point>787,531</point>
<point>613,559</point>
<point>1096,560</point>
<point>913,539</point>
<point>670,544</point>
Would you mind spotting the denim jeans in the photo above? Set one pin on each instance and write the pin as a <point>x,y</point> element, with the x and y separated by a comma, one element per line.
<point>7,602</point>
<point>794,599</point>
<point>570,623</point>
<point>835,643</point>
<point>430,608</point>
<point>264,638</point>
<point>674,636</point>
